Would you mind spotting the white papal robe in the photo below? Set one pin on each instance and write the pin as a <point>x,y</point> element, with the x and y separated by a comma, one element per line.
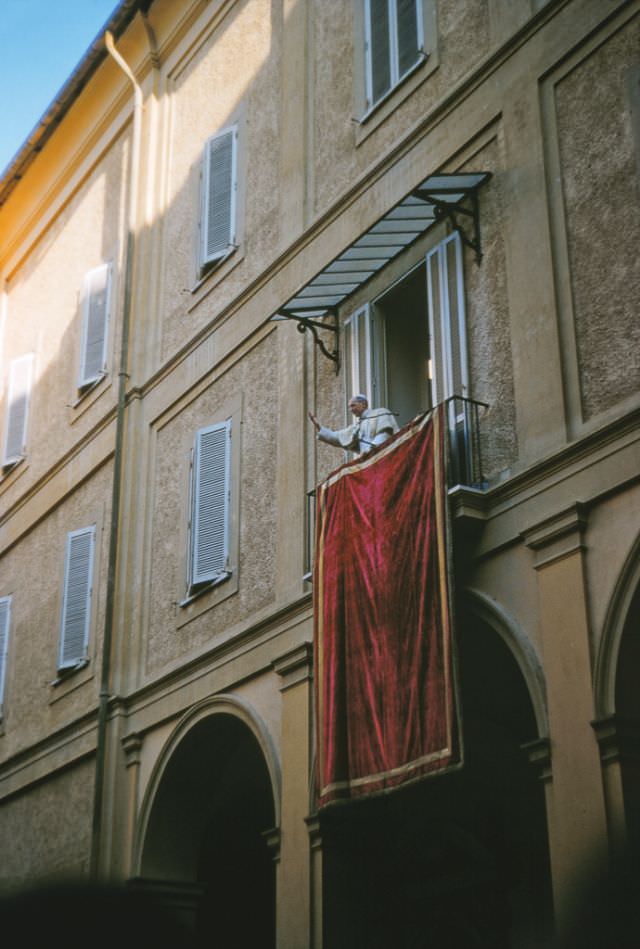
<point>373,427</point>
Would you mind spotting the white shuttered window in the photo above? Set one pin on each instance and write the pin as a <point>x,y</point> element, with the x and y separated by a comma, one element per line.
<point>5,619</point>
<point>394,43</point>
<point>15,433</point>
<point>209,538</point>
<point>95,320</point>
<point>76,598</point>
<point>219,185</point>
<point>364,355</point>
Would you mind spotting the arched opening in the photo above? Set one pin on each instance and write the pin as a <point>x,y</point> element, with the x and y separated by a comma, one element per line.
<point>627,712</point>
<point>205,835</point>
<point>457,860</point>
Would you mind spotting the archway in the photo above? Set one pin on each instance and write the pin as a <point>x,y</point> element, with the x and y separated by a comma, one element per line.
<point>203,837</point>
<point>627,717</point>
<point>457,860</point>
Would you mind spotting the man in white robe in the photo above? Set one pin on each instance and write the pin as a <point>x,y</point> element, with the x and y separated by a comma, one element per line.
<point>371,427</point>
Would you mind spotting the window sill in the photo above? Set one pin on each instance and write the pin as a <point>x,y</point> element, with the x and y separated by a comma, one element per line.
<point>88,395</point>
<point>212,276</point>
<point>201,589</point>
<point>376,114</point>
<point>206,598</point>
<point>69,679</point>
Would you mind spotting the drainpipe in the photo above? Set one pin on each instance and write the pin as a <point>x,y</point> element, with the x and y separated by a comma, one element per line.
<point>118,466</point>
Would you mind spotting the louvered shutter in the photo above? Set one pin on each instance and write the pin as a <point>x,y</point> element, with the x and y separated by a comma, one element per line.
<point>76,600</point>
<point>219,195</point>
<point>363,348</point>
<point>5,617</point>
<point>210,512</point>
<point>15,437</point>
<point>95,316</point>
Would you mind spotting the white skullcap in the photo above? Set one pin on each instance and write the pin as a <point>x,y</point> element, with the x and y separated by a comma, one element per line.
<point>360,397</point>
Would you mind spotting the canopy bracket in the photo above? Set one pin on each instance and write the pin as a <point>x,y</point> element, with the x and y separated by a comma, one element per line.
<point>450,210</point>
<point>305,323</point>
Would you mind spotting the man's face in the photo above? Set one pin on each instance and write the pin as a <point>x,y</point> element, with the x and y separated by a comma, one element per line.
<point>357,407</point>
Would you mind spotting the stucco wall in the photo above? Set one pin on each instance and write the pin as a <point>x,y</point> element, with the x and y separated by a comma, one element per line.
<point>248,96</point>
<point>32,573</point>
<point>487,311</point>
<point>601,191</point>
<point>44,316</point>
<point>45,832</point>
<point>255,379</point>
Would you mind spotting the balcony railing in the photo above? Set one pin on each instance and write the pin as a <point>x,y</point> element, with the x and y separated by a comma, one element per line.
<point>465,450</point>
<point>465,461</point>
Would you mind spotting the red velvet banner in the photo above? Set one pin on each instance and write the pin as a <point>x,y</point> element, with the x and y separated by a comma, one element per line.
<point>384,672</point>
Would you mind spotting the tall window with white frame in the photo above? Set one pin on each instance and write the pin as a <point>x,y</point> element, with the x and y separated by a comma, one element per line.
<point>5,621</point>
<point>406,349</point>
<point>95,304</point>
<point>208,561</point>
<point>14,446</point>
<point>218,198</point>
<point>77,591</point>
<point>394,44</point>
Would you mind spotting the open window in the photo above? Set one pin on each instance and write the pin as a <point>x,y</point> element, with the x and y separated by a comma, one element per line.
<point>407,349</point>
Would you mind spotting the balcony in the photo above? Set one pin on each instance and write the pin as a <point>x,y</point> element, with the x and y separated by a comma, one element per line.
<point>465,473</point>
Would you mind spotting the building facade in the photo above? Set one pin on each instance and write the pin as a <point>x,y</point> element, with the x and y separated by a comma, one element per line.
<point>449,193</point>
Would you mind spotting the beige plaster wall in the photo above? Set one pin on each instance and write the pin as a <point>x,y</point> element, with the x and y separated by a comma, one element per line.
<point>601,193</point>
<point>44,314</point>
<point>488,329</point>
<point>254,379</point>
<point>45,832</point>
<point>32,573</point>
<point>209,92</point>
<point>343,148</point>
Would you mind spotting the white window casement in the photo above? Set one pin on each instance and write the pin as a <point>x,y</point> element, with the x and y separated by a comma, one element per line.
<point>364,354</point>
<point>18,395</point>
<point>394,44</point>
<point>218,198</point>
<point>208,561</point>
<point>95,305</point>
<point>5,620</point>
<point>76,598</point>
<point>407,348</point>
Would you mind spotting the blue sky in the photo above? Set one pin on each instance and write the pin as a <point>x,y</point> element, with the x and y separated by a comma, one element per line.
<point>41,43</point>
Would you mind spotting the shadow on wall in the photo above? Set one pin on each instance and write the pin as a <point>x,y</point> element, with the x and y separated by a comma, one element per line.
<point>607,909</point>
<point>75,914</point>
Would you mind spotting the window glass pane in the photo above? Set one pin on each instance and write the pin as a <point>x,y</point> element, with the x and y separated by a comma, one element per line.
<point>408,39</point>
<point>379,55</point>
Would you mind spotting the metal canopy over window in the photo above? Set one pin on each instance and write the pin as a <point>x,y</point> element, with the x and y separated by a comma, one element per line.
<point>439,197</point>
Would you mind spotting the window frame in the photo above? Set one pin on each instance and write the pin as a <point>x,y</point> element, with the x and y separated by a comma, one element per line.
<point>84,381</point>
<point>5,627</point>
<point>395,76</point>
<point>66,665</point>
<point>199,581</point>
<point>208,261</point>
<point>11,459</point>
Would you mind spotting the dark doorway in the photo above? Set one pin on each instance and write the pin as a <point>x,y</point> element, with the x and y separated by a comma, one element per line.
<point>628,720</point>
<point>211,811</point>
<point>457,860</point>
